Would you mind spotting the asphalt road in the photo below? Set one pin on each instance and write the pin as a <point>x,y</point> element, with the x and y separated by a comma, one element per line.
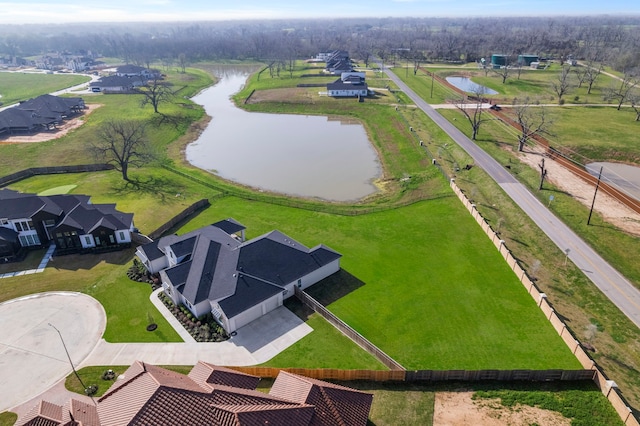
<point>611,282</point>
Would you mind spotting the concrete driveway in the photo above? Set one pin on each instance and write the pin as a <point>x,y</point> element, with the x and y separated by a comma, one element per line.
<point>32,356</point>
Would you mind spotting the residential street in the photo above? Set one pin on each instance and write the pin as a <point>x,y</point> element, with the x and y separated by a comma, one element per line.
<point>615,286</point>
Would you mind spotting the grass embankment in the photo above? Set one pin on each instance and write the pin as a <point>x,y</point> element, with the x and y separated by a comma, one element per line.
<point>591,316</point>
<point>19,86</point>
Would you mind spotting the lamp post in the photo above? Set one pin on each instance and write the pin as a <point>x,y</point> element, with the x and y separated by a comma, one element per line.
<point>69,357</point>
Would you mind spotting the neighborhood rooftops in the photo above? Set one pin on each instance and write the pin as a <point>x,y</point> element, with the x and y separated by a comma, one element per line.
<point>209,395</point>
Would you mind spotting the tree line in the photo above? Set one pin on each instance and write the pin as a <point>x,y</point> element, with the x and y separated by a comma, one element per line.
<point>603,39</point>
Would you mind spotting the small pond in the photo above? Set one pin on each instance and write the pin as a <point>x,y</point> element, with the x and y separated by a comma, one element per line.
<point>302,155</point>
<point>623,176</point>
<point>465,83</point>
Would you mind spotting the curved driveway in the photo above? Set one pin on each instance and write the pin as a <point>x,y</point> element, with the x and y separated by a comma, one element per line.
<point>615,286</point>
<point>32,356</point>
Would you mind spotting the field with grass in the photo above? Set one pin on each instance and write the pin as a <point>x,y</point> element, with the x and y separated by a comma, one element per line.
<point>589,314</point>
<point>462,307</point>
<point>19,86</point>
<point>535,84</point>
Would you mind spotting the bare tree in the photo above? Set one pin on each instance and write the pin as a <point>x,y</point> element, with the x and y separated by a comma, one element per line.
<point>183,62</point>
<point>532,120</point>
<point>562,83</point>
<point>634,100</point>
<point>592,71</point>
<point>155,91</point>
<point>621,92</point>
<point>473,110</point>
<point>543,173</point>
<point>503,71</point>
<point>122,143</point>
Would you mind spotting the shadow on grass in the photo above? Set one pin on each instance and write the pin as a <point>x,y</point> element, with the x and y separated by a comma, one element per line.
<point>334,287</point>
<point>163,188</point>
<point>74,262</point>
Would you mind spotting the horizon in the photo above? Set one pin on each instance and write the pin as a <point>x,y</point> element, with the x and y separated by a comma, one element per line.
<point>167,11</point>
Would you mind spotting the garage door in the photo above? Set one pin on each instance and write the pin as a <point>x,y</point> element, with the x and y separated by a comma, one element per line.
<point>247,316</point>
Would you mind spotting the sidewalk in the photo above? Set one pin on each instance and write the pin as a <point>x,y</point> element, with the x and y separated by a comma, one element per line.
<point>43,264</point>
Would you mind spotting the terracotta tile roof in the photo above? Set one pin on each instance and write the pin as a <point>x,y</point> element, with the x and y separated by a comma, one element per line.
<point>150,395</point>
<point>205,373</point>
<point>81,413</point>
<point>334,404</point>
<point>44,413</point>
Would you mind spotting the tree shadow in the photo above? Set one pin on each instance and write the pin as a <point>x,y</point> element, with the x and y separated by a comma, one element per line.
<point>162,187</point>
<point>177,121</point>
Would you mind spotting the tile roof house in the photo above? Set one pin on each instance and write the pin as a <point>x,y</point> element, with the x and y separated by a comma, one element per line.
<point>209,395</point>
<point>71,222</point>
<point>212,269</point>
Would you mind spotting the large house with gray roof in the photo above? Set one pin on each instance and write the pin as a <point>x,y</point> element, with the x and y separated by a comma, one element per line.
<point>70,222</point>
<point>45,112</point>
<point>214,270</point>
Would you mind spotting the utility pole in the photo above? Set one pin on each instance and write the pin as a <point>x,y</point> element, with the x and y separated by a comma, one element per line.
<point>594,195</point>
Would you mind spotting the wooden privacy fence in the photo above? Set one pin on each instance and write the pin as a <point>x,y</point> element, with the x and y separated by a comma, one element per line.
<point>34,171</point>
<point>347,331</point>
<point>183,215</point>
<point>608,387</point>
<point>425,375</point>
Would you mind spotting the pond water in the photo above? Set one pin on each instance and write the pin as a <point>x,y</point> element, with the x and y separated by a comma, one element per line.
<point>465,83</point>
<point>623,176</point>
<point>301,155</point>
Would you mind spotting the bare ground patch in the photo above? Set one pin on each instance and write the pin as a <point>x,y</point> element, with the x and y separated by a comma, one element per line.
<point>610,209</point>
<point>458,408</point>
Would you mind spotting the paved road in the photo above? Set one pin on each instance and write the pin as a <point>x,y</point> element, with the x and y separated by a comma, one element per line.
<point>615,286</point>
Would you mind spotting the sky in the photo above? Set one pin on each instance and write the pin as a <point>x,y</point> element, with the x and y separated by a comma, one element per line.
<point>65,11</point>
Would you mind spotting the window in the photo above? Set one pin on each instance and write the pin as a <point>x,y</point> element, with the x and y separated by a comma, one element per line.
<point>87,240</point>
<point>111,239</point>
<point>122,236</point>
<point>4,221</point>
<point>49,222</point>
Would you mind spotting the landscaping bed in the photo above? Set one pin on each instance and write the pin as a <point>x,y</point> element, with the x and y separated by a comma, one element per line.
<point>203,329</point>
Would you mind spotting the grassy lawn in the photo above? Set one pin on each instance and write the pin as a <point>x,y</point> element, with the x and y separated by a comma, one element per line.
<point>324,347</point>
<point>17,86</point>
<point>462,308</point>
<point>532,83</point>
<point>8,419</point>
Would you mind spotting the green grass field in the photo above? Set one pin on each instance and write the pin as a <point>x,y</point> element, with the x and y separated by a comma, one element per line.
<point>18,86</point>
<point>461,306</point>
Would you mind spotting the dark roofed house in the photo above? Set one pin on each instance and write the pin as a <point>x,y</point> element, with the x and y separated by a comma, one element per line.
<point>71,222</point>
<point>348,85</point>
<point>45,112</point>
<point>115,84</point>
<point>213,270</point>
<point>209,395</point>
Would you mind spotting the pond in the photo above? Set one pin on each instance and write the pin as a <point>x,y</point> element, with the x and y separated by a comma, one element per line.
<point>300,155</point>
<point>465,83</point>
<point>623,176</point>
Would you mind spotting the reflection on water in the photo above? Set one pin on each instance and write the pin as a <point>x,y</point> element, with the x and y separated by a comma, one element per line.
<point>465,83</point>
<point>309,156</point>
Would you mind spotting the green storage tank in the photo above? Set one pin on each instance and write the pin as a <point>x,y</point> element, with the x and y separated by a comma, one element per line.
<point>498,60</point>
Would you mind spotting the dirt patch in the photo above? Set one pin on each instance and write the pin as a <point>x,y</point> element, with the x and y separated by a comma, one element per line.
<point>457,408</point>
<point>609,208</point>
<point>62,130</point>
<point>289,95</point>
